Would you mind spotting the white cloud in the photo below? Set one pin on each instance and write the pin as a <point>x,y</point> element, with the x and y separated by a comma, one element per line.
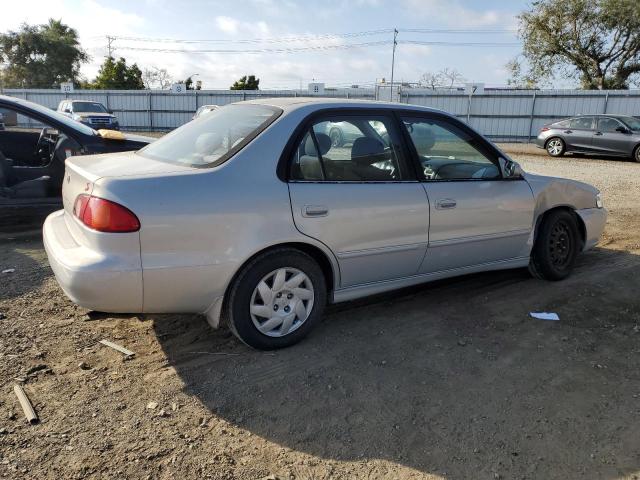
<point>453,13</point>
<point>233,26</point>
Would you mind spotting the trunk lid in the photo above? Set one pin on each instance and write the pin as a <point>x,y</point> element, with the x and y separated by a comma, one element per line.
<point>81,172</point>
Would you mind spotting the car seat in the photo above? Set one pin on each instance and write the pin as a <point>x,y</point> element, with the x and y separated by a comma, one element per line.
<point>36,188</point>
<point>309,162</point>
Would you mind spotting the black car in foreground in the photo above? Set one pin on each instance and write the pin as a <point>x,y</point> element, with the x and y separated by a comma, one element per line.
<point>34,144</point>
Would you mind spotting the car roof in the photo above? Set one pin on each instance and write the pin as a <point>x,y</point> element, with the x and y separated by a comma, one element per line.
<point>293,103</point>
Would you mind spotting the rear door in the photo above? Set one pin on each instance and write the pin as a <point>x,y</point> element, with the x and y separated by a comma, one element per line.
<point>579,134</point>
<point>608,139</point>
<point>476,216</point>
<point>360,198</point>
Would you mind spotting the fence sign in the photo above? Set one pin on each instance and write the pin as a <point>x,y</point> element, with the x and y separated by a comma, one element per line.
<point>178,88</point>
<point>66,87</point>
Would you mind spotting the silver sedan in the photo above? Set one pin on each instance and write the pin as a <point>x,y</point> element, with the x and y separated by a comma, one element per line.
<point>252,214</point>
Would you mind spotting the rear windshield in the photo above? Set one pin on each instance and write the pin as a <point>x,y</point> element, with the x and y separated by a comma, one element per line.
<point>213,138</point>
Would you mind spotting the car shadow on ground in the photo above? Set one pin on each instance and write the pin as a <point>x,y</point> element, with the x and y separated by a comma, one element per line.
<point>451,378</point>
<point>23,262</point>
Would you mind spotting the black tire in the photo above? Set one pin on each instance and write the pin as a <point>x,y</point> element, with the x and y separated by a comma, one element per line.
<point>556,247</point>
<point>555,152</point>
<point>238,305</point>
<point>337,139</point>
<point>636,154</point>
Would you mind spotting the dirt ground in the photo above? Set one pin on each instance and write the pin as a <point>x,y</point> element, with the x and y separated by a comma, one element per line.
<point>450,380</point>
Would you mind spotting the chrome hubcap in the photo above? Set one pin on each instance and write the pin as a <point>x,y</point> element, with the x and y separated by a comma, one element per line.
<point>281,302</point>
<point>554,147</point>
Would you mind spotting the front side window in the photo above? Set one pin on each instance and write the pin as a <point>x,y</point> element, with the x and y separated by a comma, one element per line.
<point>349,149</point>
<point>447,152</point>
<point>608,125</point>
<point>581,123</point>
<point>631,122</point>
<point>211,139</point>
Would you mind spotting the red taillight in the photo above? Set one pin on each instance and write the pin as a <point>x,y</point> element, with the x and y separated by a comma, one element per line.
<point>544,129</point>
<point>105,215</point>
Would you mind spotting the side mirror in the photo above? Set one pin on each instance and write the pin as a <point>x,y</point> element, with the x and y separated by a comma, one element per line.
<point>622,129</point>
<point>110,111</point>
<point>510,169</point>
<point>67,110</point>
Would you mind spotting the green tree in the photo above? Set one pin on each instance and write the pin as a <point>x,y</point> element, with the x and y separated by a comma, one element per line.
<point>116,75</point>
<point>246,83</point>
<point>40,56</point>
<point>595,41</point>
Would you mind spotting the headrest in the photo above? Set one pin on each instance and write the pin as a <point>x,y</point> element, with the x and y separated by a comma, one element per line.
<point>365,149</point>
<point>324,142</point>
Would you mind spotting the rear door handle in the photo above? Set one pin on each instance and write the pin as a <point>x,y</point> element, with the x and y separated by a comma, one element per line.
<point>315,211</point>
<point>568,131</point>
<point>598,133</point>
<point>446,203</point>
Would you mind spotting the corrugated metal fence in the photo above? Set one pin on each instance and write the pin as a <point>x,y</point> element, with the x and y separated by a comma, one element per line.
<point>514,115</point>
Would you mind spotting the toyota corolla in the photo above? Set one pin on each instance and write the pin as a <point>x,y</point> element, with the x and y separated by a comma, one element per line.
<point>253,215</point>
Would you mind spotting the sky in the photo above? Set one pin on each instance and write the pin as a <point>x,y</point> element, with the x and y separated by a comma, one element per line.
<point>267,27</point>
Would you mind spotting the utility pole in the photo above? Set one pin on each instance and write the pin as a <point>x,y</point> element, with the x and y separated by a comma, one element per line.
<point>110,48</point>
<point>393,58</point>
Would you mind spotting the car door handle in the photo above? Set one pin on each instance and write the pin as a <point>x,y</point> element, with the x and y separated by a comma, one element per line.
<point>315,211</point>
<point>568,131</point>
<point>446,203</point>
<point>598,133</point>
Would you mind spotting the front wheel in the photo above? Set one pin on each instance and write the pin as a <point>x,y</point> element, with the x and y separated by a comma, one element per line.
<point>636,154</point>
<point>555,147</point>
<point>556,247</point>
<point>277,299</point>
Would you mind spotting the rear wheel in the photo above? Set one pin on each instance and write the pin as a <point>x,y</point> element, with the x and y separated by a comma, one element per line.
<point>555,147</point>
<point>636,154</point>
<point>277,299</point>
<point>556,248</point>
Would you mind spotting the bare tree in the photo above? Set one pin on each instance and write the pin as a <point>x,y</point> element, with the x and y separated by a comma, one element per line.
<point>452,76</point>
<point>156,78</point>
<point>431,80</point>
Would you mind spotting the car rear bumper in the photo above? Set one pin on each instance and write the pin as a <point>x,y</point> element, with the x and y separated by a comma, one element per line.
<point>540,141</point>
<point>88,277</point>
<point>594,220</point>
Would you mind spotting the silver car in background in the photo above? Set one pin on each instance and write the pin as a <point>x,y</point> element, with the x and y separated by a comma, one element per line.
<point>615,135</point>
<point>251,214</point>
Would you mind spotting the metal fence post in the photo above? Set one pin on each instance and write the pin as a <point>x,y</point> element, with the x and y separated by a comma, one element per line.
<point>469,107</point>
<point>606,102</point>
<point>533,108</point>
<point>150,112</point>
<point>107,94</point>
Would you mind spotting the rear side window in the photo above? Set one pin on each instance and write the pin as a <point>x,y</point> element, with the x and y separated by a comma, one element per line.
<point>213,138</point>
<point>581,123</point>
<point>350,149</point>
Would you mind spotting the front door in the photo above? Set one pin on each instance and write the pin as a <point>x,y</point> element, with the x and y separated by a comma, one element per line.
<point>360,197</point>
<point>476,217</point>
<point>611,137</point>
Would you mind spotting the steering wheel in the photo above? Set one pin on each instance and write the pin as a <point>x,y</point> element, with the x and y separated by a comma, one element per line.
<point>43,139</point>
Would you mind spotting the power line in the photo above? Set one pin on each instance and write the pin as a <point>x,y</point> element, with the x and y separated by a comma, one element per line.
<point>460,44</point>
<point>261,50</point>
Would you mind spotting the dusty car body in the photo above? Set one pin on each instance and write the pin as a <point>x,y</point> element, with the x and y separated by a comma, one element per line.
<point>610,135</point>
<point>33,150</point>
<point>252,214</point>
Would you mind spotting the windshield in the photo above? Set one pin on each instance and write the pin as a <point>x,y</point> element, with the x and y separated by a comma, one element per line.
<point>53,115</point>
<point>81,107</point>
<point>213,138</point>
<point>631,122</point>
